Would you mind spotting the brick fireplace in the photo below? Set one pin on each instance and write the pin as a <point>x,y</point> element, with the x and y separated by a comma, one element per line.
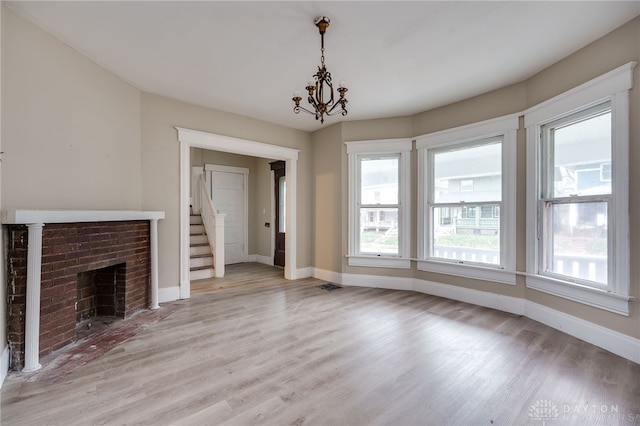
<point>87,268</point>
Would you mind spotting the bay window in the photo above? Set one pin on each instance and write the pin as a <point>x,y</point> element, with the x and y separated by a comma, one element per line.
<point>466,179</point>
<point>577,193</point>
<point>379,203</point>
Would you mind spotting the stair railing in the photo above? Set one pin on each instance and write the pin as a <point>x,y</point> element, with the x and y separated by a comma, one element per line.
<point>214,226</point>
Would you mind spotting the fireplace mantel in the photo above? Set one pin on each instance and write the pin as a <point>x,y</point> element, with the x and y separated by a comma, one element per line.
<point>26,216</point>
<point>35,220</point>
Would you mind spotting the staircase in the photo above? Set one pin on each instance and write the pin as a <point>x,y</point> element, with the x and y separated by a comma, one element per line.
<point>201,261</point>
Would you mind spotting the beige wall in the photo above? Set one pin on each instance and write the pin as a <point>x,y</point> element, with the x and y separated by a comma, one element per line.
<point>387,128</point>
<point>619,47</point>
<point>201,157</point>
<point>612,51</point>
<point>504,101</point>
<point>71,130</point>
<point>384,128</point>
<point>328,204</point>
<point>160,169</point>
<point>259,194</point>
<point>3,297</point>
<point>263,203</point>
<point>77,137</point>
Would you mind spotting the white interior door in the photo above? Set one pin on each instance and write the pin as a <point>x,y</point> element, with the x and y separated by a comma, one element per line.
<point>229,195</point>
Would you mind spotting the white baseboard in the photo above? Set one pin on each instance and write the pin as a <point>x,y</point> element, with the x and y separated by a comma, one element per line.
<point>328,276</point>
<point>168,294</point>
<point>304,272</point>
<point>620,344</point>
<point>377,281</point>
<point>513,305</point>
<point>4,364</point>
<point>265,260</point>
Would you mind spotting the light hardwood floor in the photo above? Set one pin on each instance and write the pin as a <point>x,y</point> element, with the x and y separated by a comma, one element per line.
<point>253,348</point>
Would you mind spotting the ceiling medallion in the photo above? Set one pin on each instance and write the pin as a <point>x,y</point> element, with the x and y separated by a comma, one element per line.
<point>321,87</point>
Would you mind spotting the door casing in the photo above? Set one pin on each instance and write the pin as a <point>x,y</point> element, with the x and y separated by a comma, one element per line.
<point>194,138</point>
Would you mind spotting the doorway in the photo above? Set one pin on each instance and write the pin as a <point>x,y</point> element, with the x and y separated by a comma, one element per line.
<point>194,138</point>
<point>280,219</point>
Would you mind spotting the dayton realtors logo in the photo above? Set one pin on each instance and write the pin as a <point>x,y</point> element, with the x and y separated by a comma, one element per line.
<point>546,411</point>
<point>543,411</point>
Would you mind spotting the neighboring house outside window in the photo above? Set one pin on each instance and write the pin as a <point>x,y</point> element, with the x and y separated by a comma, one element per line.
<point>466,180</point>
<point>379,197</point>
<point>577,193</point>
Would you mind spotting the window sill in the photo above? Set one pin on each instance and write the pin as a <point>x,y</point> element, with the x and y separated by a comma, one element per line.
<point>469,271</point>
<point>379,262</point>
<point>582,294</point>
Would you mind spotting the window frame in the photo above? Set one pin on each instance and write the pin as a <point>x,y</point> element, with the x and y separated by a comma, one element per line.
<point>547,198</point>
<point>611,87</point>
<point>505,128</point>
<point>357,150</point>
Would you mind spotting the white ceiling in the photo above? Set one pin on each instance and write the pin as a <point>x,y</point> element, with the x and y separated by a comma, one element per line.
<point>398,58</point>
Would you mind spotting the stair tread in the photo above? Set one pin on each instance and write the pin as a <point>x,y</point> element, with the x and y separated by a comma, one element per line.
<point>200,268</point>
<point>201,256</point>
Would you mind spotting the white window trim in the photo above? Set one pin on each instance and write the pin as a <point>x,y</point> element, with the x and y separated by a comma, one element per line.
<point>506,127</point>
<point>613,86</point>
<point>381,147</point>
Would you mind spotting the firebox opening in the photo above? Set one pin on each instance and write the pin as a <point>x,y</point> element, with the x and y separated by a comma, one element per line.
<point>100,298</point>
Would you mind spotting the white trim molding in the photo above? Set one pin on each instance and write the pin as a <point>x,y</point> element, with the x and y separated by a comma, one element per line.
<point>305,272</point>
<point>356,149</point>
<point>4,364</point>
<point>612,87</point>
<point>377,281</point>
<point>617,80</point>
<point>477,272</point>
<point>26,216</point>
<point>265,260</point>
<point>620,344</point>
<point>379,261</point>
<point>328,276</point>
<point>168,294</point>
<point>597,298</point>
<point>194,138</point>
<point>35,221</point>
<point>506,128</point>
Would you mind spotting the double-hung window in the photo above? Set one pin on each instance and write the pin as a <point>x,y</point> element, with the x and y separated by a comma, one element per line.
<point>467,200</point>
<point>578,223</point>
<point>379,203</point>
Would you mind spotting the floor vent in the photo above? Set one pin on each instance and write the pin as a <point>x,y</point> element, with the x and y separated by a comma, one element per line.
<point>330,287</point>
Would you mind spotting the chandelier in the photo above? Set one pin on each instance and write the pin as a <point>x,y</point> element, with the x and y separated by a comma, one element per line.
<point>320,86</point>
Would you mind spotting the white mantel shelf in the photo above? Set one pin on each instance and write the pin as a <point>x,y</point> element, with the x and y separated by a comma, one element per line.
<point>26,216</point>
<point>35,221</point>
